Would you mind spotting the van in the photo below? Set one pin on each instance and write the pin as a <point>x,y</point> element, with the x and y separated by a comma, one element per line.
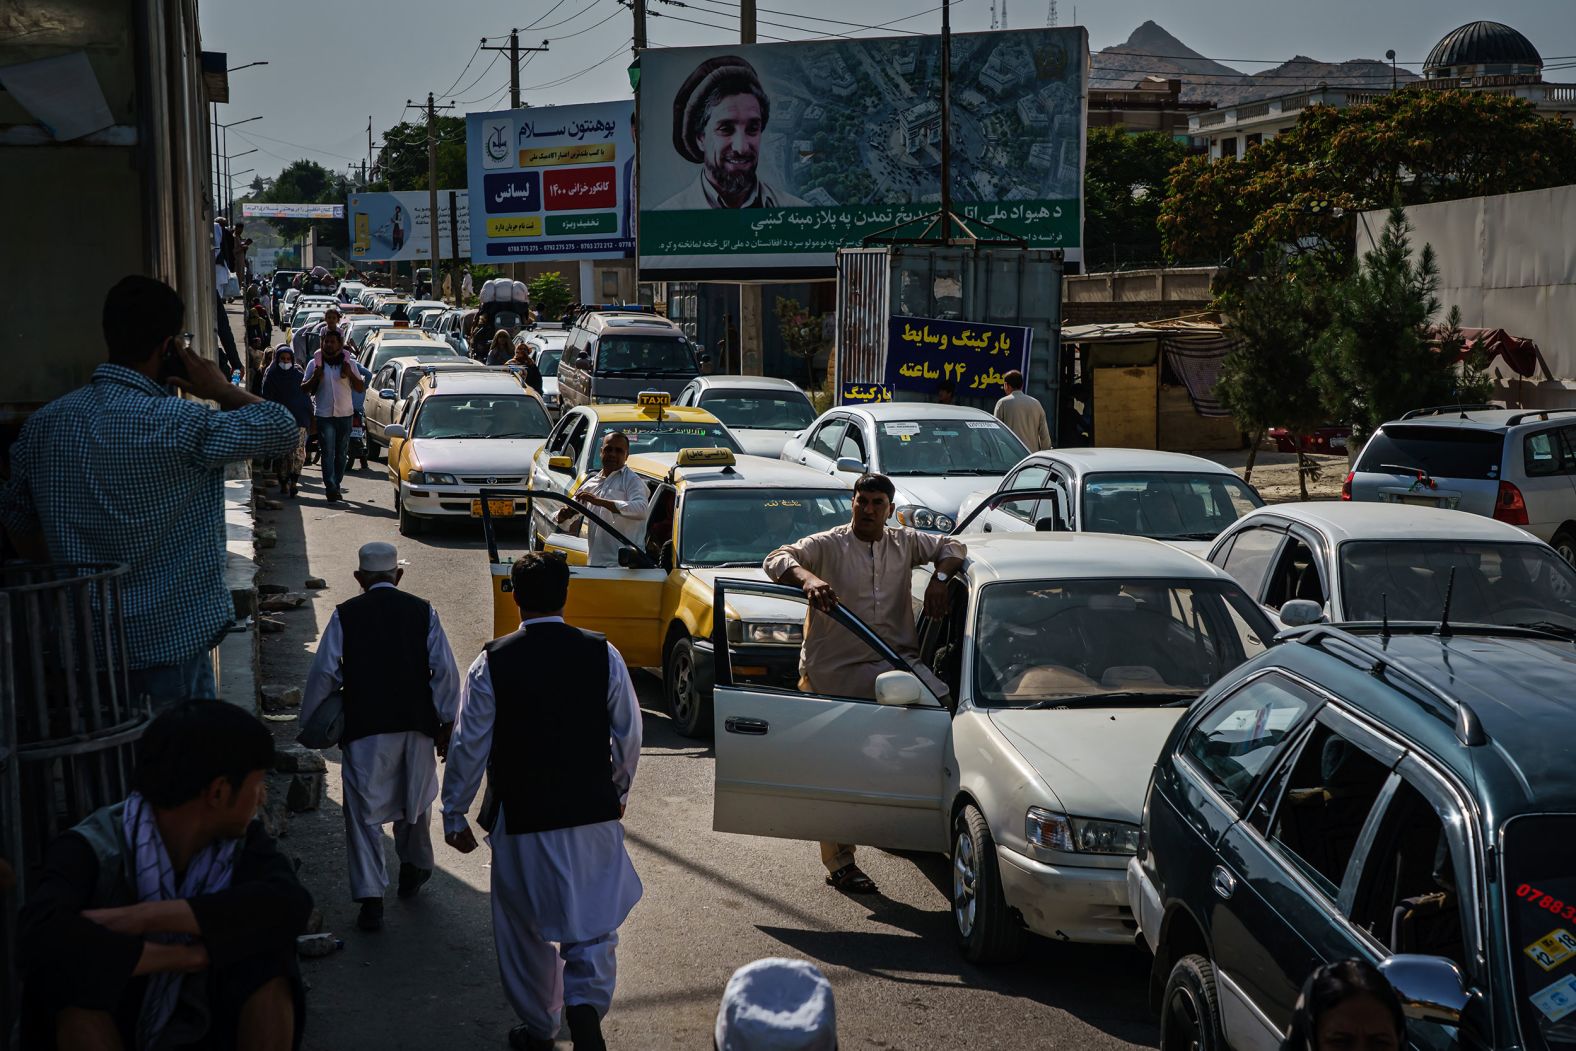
<point>612,356</point>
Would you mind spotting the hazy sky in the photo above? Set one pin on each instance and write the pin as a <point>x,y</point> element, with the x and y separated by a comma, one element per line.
<point>333,63</point>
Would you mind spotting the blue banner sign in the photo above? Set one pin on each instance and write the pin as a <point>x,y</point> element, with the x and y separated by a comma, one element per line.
<point>864,393</point>
<point>973,355</point>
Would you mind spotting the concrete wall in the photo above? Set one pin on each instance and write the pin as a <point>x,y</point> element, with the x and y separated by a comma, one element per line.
<point>1508,261</point>
<point>1135,295</point>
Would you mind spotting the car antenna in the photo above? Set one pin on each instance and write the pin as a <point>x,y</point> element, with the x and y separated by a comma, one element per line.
<point>1444,615</point>
<point>1384,616</point>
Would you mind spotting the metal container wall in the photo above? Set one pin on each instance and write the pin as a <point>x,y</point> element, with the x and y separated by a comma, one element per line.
<point>1009,286</point>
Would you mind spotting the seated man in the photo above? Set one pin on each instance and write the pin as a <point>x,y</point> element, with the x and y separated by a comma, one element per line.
<point>168,919</point>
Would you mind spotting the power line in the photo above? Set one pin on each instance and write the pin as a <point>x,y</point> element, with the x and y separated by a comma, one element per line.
<point>465,70</point>
<point>588,28</point>
<point>709,25</point>
<point>453,94</point>
<point>545,15</point>
<point>576,76</point>
<point>763,21</point>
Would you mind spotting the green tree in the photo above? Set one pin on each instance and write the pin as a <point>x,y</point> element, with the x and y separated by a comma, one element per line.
<point>1298,191</point>
<point>549,295</point>
<point>1124,182</point>
<point>307,182</point>
<point>801,334</point>
<point>1267,379</point>
<point>402,163</point>
<point>1383,353</point>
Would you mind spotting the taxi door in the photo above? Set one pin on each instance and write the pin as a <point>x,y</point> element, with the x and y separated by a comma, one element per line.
<point>399,447</point>
<point>792,765</point>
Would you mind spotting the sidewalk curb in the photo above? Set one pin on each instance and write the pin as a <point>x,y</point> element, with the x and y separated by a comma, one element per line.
<point>237,656</point>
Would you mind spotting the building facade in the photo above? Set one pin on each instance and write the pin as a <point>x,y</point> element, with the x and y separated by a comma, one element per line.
<point>1151,104</point>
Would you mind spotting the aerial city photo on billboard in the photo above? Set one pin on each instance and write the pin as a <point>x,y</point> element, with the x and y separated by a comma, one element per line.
<point>553,182</point>
<point>393,226</point>
<point>776,155</point>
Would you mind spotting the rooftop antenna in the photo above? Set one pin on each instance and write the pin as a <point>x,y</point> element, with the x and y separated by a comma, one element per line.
<point>1051,18</point>
<point>1444,615</point>
<point>993,22</point>
<point>1384,616</point>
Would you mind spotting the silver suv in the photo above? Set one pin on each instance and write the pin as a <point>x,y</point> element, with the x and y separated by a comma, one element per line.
<point>1515,465</point>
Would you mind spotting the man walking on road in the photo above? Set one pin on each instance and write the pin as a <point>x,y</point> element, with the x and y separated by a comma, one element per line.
<point>332,379</point>
<point>549,714</point>
<point>1023,415</point>
<point>386,649</point>
<point>616,489</point>
<point>120,471</point>
<point>308,339</point>
<point>867,566</point>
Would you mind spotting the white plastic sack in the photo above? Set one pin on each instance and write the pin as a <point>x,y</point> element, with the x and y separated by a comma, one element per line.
<point>489,290</point>
<point>520,294</point>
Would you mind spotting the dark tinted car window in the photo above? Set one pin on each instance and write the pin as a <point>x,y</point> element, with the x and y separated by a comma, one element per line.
<point>1249,557</point>
<point>1540,907</point>
<point>1528,584</point>
<point>1441,452</point>
<point>1233,743</point>
<point>1325,802</point>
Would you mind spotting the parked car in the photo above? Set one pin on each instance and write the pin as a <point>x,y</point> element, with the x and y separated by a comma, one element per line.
<point>763,411</point>
<point>1395,796</point>
<point>1181,499</point>
<point>394,382</point>
<point>1020,740</point>
<point>460,433</point>
<point>1518,466</point>
<point>1329,440</point>
<point>611,356</point>
<point>934,454</point>
<point>1371,562</point>
<point>385,344</point>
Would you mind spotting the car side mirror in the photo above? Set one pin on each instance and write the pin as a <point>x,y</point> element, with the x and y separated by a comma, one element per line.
<point>901,689</point>
<point>1300,612</point>
<point>849,465</point>
<point>560,463</point>
<point>395,430</point>
<point>1431,988</point>
<point>628,557</point>
<point>1047,524</point>
<point>388,394</point>
<point>665,557</point>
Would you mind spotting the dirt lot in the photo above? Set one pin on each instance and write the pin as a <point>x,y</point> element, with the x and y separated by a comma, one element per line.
<point>1275,474</point>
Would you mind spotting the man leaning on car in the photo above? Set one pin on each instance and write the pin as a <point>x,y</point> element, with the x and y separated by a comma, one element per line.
<point>118,471</point>
<point>866,566</point>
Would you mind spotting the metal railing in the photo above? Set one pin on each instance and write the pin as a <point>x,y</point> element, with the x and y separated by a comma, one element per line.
<point>68,722</point>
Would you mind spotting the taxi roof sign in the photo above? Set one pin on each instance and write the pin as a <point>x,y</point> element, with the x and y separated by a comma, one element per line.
<point>649,398</point>
<point>713,457</point>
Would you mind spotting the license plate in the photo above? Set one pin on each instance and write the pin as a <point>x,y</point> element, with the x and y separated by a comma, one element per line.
<point>495,508</point>
<point>1421,501</point>
<point>1337,442</point>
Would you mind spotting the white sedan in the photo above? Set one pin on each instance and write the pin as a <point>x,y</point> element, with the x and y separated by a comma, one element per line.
<point>936,455</point>
<point>1372,562</point>
<point>1020,741</point>
<point>763,412</point>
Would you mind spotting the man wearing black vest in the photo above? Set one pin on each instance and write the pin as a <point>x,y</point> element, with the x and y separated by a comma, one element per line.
<point>387,651</point>
<point>549,714</point>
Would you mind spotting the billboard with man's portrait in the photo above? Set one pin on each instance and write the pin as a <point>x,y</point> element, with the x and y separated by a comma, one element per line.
<point>772,156</point>
<point>552,182</point>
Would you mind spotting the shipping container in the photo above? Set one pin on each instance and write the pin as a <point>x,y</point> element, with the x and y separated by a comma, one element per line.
<point>992,285</point>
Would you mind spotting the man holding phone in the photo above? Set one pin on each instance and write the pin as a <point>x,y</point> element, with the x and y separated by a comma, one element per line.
<point>333,379</point>
<point>121,471</point>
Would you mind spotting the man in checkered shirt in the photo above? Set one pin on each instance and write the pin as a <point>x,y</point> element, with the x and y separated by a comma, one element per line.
<point>121,471</point>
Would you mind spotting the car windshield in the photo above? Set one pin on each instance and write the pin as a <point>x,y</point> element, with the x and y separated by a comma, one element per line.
<point>547,361</point>
<point>1442,452</point>
<point>1540,910</point>
<point>644,355</point>
<point>1088,643</point>
<point>1495,583</point>
<point>948,447</point>
<point>740,527</point>
<point>1165,505</point>
<point>386,351</point>
<point>762,410</point>
<point>651,437</point>
<point>481,416</point>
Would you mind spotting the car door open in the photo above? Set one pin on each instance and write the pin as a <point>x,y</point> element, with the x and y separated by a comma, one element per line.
<point>622,602</point>
<point>793,765</point>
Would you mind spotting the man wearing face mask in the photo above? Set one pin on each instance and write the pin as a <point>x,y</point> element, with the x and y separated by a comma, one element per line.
<point>282,383</point>
<point>332,379</point>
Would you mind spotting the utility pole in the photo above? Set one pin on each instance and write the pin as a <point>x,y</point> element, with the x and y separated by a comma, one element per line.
<point>432,186</point>
<point>639,7</point>
<point>515,50</point>
<point>454,249</point>
<point>946,120</point>
<point>746,21</point>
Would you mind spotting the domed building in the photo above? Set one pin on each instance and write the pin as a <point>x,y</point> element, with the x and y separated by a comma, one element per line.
<point>1483,49</point>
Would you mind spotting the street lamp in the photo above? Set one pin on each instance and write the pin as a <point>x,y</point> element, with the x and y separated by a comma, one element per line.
<point>249,65</point>
<point>224,146</point>
<point>1390,54</point>
<point>229,190</point>
<point>215,118</point>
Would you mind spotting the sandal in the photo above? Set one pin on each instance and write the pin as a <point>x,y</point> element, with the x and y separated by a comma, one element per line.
<point>850,880</point>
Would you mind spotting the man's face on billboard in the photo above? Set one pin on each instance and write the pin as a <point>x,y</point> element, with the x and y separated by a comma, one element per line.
<point>731,144</point>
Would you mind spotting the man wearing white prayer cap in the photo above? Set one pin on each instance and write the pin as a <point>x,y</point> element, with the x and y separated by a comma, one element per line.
<point>388,652</point>
<point>777,1005</point>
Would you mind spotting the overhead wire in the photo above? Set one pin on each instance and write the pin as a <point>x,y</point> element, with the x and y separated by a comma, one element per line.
<point>575,76</point>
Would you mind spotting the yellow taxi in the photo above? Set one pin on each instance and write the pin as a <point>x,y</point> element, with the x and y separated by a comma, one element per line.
<point>712,513</point>
<point>573,450</point>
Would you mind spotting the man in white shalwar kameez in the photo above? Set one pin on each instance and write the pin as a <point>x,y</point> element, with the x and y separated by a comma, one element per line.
<point>387,649</point>
<point>555,706</point>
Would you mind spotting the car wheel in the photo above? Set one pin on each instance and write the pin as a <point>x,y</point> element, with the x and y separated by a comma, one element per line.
<point>409,524</point>
<point>1190,1012</point>
<point>690,707</point>
<point>987,930</point>
<point>1565,543</point>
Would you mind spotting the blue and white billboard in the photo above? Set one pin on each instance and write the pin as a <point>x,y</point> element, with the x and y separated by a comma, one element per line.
<point>552,182</point>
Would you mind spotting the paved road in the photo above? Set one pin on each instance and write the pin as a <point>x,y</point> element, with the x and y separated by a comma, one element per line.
<point>712,902</point>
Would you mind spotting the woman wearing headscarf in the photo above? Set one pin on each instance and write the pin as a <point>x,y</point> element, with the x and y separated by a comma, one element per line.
<point>282,383</point>
<point>1346,1006</point>
<point>522,359</point>
<point>501,350</point>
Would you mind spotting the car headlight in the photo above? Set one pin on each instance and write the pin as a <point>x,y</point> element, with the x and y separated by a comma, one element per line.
<point>917,516</point>
<point>766,632</point>
<point>431,478</point>
<point>1043,828</point>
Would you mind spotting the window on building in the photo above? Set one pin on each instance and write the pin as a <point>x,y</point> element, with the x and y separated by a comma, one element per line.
<point>1228,146</point>
<point>1252,140</point>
